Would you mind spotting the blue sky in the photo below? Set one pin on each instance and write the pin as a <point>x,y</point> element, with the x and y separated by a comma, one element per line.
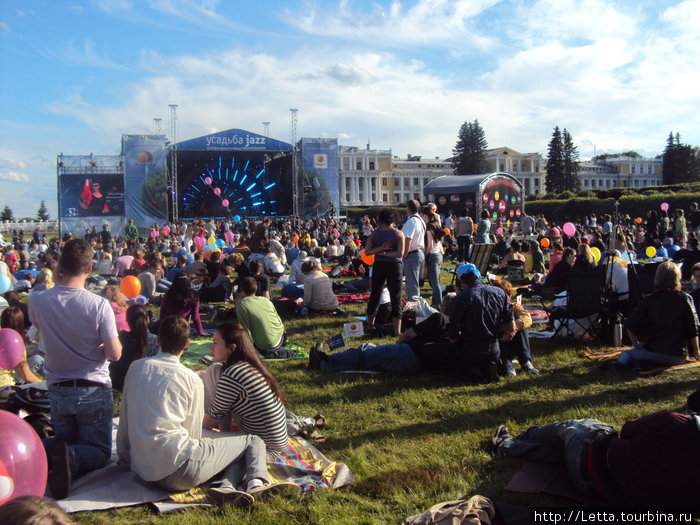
<point>76,75</point>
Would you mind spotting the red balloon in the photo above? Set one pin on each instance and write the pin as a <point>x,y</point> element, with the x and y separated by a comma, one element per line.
<point>11,349</point>
<point>23,464</point>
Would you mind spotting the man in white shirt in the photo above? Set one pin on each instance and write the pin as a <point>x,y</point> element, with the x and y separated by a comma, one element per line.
<point>413,256</point>
<point>160,429</point>
<point>79,334</point>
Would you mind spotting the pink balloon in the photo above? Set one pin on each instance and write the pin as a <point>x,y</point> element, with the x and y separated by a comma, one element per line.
<point>11,349</point>
<point>569,229</point>
<point>337,234</point>
<point>23,464</point>
<point>664,206</point>
<point>199,241</point>
<point>154,234</point>
<point>217,191</point>
<point>499,231</point>
<point>167,229</point>
<point>207,180</point>
<point>228,236</point>
<point>224,203</point>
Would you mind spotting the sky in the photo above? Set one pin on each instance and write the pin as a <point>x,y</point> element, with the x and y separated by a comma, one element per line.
<point>76,75</point>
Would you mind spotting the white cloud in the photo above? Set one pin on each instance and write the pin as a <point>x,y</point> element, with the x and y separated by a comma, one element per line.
<point>11,163</point>
<point>4,26</point>
<point>13,176</point>
<point>431,23</point>
<point>83,55</point>
<point>113,6</point>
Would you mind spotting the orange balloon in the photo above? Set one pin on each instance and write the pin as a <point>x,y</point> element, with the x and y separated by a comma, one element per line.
<point>545,243</point>
<point>638,220</point>
<point>130,286</point>
<point>447,231</point>
<point>476,226</point>
<point>295,239</point>
<point>367,259</point>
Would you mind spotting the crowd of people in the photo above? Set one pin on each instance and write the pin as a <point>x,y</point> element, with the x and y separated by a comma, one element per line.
<point>91,343</point>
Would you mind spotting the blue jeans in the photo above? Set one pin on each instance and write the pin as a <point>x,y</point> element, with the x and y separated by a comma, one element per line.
<point>518,347</point>
<point>560,442</point>
<point>82,417</point>
<point>434,262</point>
<point>412,266</point>
<point>640,354</point>
<point>391,358</point>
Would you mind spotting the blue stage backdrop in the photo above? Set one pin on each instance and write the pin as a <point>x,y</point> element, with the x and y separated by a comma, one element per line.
<point>145,178</point>
<point>234,172</point>
<point>320,175</point>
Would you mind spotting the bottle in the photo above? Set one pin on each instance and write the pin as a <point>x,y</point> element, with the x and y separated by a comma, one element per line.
<point>617,334</point>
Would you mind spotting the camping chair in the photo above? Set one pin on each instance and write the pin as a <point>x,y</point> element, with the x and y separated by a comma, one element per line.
<point>583,303</point>
<point>481,257</point>
<point>515,272</point>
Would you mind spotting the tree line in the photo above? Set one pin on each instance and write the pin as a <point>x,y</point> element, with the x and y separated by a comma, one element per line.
<point>681,162</point>
<point>42,214</point>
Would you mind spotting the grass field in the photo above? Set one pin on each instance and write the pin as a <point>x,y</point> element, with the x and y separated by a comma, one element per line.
<point>414,441</point>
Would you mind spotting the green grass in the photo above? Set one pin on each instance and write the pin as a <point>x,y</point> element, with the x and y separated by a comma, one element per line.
<point>414,441</point>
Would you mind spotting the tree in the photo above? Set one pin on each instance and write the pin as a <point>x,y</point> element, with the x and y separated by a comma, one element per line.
<point>469,154</point>
<point>571,167</point>
<point>6,214</point>
<point>562,163</point>
<point>681,161</point>
<point>42,214</point>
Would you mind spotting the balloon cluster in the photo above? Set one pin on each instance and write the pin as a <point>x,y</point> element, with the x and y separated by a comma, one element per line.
<point>164,232</point>
<point>217,192</point>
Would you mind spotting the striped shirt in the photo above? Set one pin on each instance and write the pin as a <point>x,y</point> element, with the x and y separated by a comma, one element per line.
<point>243,391</point>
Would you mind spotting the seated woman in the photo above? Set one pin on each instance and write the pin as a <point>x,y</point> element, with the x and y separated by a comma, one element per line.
<point>136,343</point>
<point>13,318</point>
<point>239,389</point>
<point>584,257</point>
<point>318,289</point>
<point>527,253</point>
<point>181,300</point>
<point>617,284</point>
<point>513,255</point>
<point>538,265</point>
<point>663,328</point>
<point>44,281</point>
<point>519,346</point>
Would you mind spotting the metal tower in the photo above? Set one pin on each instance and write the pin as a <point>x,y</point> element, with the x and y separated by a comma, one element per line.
<point>173,159</point>
<point>156,126</point>
<point>266,129</point>
<point>295,169</point>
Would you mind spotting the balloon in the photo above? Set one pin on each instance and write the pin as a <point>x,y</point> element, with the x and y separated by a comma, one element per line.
<point>207,248</point>
<point>154,234</point>
<point>228,236</point>
<point>5,283</point>
<point>664,206</point>
<point>166,229</point>
<point>447,231</point>
<point>163,232</point>
<point>199,241</point>
<point>237,218</point>
<point>650,251</point>
<point>219,243</point>
<point>596,254</point>
<point>211,239</point>
<point>661,252</point>
<point>499,231</point>
<point>11,349</point>
<point>367,259</point>
<point>638,220</point>
<point>23,463</point>
<point>295,239</point>
<point>545,242</point>
<point>207,181</point>
<point>217,191</point>
<point>475,226</point>
<point>224,203</point>
<point>673,249</point>
<point>569,229</point>
<point>130,286</point>
<point>359,243</point>
<point>336,234</point>
<point>140,300</point>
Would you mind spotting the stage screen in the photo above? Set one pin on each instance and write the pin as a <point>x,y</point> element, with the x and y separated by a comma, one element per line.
<point>230,183</point>
<point>91,195</point>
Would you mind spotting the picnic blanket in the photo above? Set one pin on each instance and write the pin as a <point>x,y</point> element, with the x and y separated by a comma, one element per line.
<point>548,478</point>
<point>198,349</point>
<point>349,297</point>
<point>611,355</point>
<point>112,486</point>
<point>539,316</point>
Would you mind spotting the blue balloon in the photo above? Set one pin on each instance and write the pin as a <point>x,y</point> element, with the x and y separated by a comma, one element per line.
<point>237,218</point>
<point>220,243</point>
<point>662,252</point>
<point>5,283</point>
<point>673,249</point>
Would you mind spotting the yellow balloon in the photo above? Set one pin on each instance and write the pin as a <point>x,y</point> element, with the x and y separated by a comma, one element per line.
<point>596,254</point>
<point>211,240</point>
<point>651,252</point>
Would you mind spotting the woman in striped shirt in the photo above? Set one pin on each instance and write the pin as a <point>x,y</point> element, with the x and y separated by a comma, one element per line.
<point>239,387</point>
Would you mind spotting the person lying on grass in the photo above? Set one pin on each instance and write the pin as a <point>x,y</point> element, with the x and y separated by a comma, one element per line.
<point>160,430</point>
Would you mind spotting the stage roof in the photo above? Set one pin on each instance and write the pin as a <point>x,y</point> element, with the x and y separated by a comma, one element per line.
<point>459,183</point>
<point>233,140</point>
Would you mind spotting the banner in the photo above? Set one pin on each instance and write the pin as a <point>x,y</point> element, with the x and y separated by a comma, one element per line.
<point>146,178</point>
<point>319,176</point>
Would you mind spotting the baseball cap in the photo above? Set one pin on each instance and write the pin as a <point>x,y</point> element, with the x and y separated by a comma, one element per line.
<point>467,268</point>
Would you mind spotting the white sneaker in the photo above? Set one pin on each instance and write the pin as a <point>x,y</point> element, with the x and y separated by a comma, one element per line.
<point>510,370</point>
<point>226,494</point>
<point>267,491</point>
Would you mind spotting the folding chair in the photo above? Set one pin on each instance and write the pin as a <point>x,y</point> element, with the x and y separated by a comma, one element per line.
<point>584,300</point>
<point>515,272</point>
<point>481,257</point>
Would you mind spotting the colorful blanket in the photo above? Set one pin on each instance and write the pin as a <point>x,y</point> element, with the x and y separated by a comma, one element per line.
<point>611,355</point>
<point>348,297</point>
